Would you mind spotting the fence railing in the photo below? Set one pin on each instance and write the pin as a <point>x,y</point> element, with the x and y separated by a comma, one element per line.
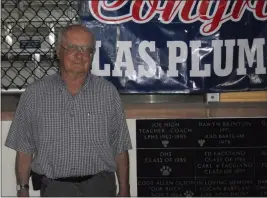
<point>28,34</point>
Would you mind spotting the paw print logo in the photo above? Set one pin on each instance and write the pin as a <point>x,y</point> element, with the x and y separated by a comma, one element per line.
<point>165,143</point>
<point>188,193</point>
<point>165,170</point>
<point>201,142</point>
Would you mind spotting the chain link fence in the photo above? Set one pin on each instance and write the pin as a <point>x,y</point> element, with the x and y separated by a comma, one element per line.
<point>29,32</point>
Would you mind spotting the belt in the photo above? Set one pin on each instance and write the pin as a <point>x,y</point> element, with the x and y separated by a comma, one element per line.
<point>74,179</point>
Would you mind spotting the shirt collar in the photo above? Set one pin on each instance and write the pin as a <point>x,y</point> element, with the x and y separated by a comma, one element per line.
<point>62,84</point>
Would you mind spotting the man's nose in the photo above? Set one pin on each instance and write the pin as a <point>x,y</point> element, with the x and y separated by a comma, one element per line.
<point>78,54</point>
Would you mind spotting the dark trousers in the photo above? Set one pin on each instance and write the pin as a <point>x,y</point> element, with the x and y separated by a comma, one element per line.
<point>100,185</point>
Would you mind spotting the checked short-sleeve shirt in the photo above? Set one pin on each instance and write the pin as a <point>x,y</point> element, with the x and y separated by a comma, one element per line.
<point>70,135</point>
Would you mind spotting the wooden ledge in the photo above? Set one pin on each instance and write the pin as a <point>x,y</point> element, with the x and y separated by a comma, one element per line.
<point>175,110</point>
<point>234,104</point>
<point>238,109</point>
<point>252,96</point>
<point>186,110</point>
<point>196,110</point>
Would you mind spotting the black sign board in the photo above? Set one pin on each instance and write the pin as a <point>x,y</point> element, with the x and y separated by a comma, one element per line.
<point>202,157</point>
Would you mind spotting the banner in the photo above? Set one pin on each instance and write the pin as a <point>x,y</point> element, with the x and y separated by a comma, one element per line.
<point>178,46</point>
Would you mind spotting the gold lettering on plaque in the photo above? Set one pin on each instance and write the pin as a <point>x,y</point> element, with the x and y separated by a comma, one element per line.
<point>171,124</point>
<point>236,124</point>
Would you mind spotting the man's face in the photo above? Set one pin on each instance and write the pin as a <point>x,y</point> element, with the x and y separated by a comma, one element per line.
<point>76,51</point>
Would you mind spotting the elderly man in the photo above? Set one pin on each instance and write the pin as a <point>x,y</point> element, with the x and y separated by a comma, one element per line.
<point>69,128</point>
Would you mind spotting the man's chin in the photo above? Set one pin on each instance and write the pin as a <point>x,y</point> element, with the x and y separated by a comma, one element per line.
<point>77,66</point>
<point>81,71</point>
<point>78,69</point>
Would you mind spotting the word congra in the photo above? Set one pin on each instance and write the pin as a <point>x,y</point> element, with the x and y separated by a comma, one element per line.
<point>141,59</point>
<point>212,14</point>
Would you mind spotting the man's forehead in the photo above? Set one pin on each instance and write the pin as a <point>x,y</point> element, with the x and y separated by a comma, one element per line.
<point>79,34</point>
<point>79,37</point>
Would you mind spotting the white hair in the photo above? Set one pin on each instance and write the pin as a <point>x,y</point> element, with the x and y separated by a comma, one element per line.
<point>62,34</point>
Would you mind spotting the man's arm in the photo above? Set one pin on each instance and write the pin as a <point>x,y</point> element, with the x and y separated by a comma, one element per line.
<point>23,171</point>
<point>122,161</point>
<point>121,144</point>
<point>23,167</point>
<point>20,138</point>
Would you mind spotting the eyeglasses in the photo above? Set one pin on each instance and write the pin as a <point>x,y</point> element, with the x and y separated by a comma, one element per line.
<point>73,49</point>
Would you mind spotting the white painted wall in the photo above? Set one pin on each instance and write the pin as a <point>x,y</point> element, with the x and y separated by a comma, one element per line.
<point>8,180</point>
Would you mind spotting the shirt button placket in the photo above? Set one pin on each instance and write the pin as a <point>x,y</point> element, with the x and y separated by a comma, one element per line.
<point>72,112</point>
<point>72,130</point>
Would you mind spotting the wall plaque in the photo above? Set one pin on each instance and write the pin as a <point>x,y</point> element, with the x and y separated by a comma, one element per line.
<point>202,157</point>
<point>29,44</point>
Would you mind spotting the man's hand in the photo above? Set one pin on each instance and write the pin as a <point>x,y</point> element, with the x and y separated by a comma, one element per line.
<point>23,193</point>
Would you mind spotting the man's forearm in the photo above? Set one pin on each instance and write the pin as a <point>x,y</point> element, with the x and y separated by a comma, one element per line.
<point>122,161</point>
<point>23,167</point>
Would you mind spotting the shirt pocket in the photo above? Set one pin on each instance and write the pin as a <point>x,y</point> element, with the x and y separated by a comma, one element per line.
<point>93,127</point>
